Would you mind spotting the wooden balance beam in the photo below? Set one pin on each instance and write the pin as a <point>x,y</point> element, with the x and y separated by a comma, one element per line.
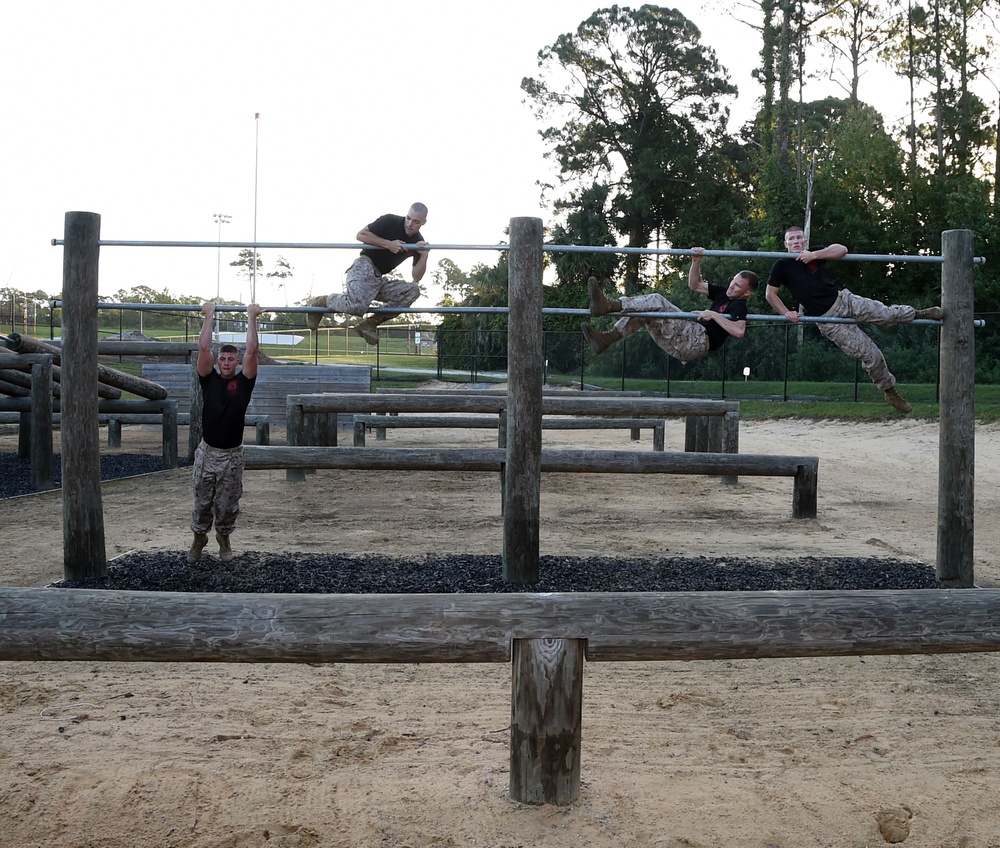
<point>804,469</point>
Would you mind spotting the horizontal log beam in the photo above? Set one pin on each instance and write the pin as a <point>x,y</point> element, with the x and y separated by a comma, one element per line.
<point>87,625</point>
<point>154,407</point>
<point>457,402</point>
<point>490,459</point>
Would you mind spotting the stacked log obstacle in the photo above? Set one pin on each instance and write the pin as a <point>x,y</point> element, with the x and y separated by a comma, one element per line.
<point>105,376</point>
<point>545,636</point>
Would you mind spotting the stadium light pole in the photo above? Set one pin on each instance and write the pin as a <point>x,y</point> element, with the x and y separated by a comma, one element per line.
<point>220,219</point>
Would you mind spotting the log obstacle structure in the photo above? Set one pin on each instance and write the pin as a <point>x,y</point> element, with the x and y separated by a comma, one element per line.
<point>710,433</point>
<point>312,419</point>
<point>545,637</point>
<point>380,423</point>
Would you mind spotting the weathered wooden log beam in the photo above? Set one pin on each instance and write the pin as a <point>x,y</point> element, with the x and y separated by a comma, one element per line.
<point>87,625</point>
<point>490,459</point>
<point>457,402</point>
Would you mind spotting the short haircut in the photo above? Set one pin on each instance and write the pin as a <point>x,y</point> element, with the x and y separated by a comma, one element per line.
<point>795,228</point>
<point>751,279</point>
<point>229,348</point>
<point>419,208</point>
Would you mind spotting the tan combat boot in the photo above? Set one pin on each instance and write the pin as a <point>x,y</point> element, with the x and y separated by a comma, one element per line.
<point>600,342</point>
<point>935,312</point>
<point>313,319</point>
<point>899,403</point>
<point>197,546</point>
<point>600,304</point>
<point>367,330</point>
<point>225,550</point>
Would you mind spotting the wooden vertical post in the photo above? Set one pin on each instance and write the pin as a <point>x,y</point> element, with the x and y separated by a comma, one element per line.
<point>194,430</point>
<point>546,720</point>
<point>525,373</point>
<point>957,433</point>
<point>83,512</point>
<point>294,435</point>
<point>114,432</point>
<point>42,477</point>
<point>169,433</point>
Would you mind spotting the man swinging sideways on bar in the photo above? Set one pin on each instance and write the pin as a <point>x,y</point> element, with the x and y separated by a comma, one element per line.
<point>683,339</point>
<point>392,239</point>
<point>806,277</point>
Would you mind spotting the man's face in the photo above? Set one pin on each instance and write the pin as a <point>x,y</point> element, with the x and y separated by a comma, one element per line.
<point>795,241</point>
<point>413,222</point>
<point>739,288</point>
<point>227,363</point>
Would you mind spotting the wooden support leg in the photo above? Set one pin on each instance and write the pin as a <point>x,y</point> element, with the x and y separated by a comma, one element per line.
<point>546,720</point>
<point>804,494</point>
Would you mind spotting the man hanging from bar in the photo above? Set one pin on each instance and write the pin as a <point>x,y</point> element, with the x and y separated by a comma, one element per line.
<point>806,277</point>
<point>684,339</point>
<point>218,461</point>
<point>395,239</point>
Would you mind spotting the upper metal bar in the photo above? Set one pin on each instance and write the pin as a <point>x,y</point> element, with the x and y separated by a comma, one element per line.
<point>479,310</point>
<point>549,248</point>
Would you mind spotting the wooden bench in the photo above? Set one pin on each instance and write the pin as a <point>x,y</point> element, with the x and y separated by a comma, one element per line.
<point>804,469</point>
<point>379,423</point>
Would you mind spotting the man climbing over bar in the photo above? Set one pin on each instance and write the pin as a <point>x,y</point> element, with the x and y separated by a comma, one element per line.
<point>682,338</point>
<point>817,294</point>
<point>393,240</point>
<point>218,460</point>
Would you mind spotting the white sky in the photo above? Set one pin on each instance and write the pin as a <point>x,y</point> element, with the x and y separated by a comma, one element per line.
<point>144,113</point>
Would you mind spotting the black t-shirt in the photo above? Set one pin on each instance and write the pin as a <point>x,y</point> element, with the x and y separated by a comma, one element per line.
<point>810,284</point>
<point>224,408</point>
<point>736,308</point>
<point>391,228</point>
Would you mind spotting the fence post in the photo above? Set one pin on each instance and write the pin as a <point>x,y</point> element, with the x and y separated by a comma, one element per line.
<point>957,428</point>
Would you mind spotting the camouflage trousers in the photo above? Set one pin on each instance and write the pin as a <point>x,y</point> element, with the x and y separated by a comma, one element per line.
<point>363,283</point>
<point>682,338</point>
<point>218,487</point>
<point>855,342</point>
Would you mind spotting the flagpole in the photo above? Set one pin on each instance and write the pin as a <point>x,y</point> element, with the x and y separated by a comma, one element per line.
<point>256,148</point>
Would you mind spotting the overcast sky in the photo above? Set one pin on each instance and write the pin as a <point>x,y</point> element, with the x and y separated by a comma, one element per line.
<point>144,113</point>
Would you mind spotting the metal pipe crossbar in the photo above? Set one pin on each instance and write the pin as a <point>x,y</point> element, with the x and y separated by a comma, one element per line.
<point>480,310</point>
<point>548,248</point>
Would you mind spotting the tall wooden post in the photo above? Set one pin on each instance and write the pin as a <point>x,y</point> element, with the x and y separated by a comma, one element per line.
<point>957,434</point>
<point>525,372</point>
<point>42,477</point>
<point>194,427</point>
<point>546,720</point>
<point>83,514</point>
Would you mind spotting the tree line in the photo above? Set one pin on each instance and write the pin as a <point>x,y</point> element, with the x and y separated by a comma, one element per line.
<point>634,111</point>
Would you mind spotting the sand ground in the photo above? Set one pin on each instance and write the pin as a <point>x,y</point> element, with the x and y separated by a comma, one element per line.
<point>784,753</point>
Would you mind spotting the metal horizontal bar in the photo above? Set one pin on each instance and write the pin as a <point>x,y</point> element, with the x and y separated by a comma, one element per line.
<point>548,248</point>
<point>480,310</point>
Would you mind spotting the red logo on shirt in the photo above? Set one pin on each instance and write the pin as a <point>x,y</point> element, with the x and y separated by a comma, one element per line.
<point>232,388</point>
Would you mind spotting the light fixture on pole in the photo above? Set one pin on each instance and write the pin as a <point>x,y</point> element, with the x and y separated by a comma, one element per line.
<point>220,219</point>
